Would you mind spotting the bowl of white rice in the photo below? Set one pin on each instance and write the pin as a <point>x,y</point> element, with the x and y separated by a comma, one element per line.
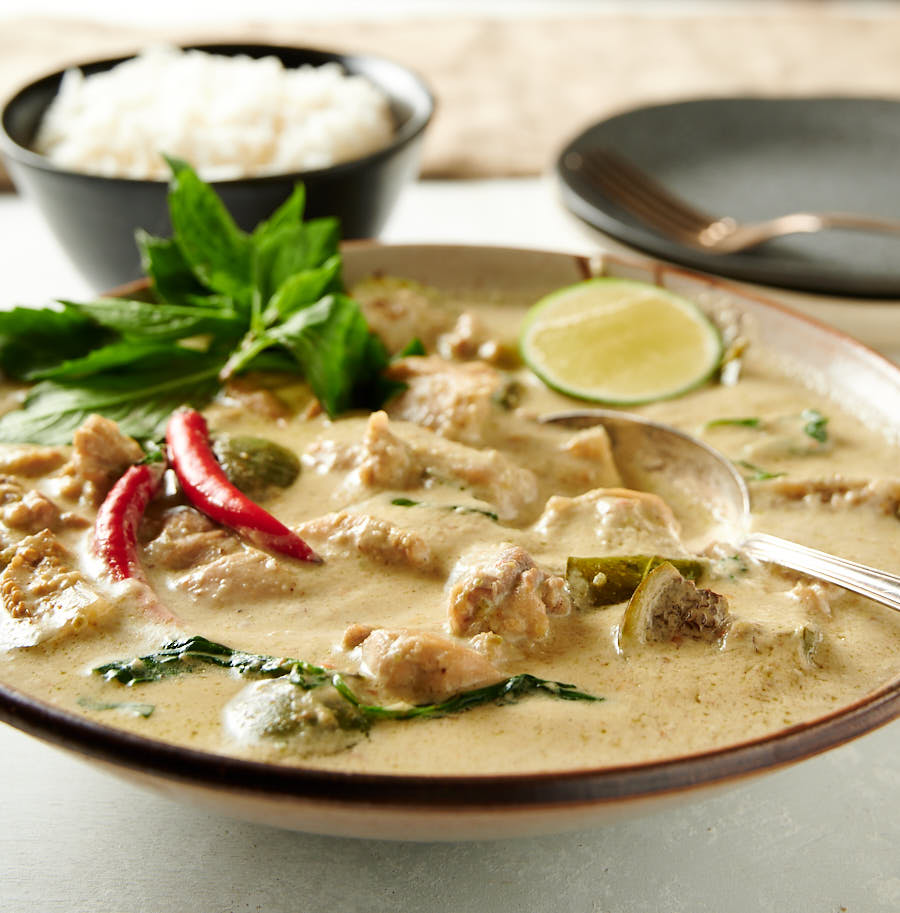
<point>88,144</point>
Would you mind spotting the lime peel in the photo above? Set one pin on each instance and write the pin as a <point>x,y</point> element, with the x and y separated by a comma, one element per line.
<point>619,341</point>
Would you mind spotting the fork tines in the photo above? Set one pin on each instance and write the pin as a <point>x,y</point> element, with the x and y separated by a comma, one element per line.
<point>638,193</point>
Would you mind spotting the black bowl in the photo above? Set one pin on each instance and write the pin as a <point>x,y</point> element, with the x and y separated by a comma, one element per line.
<point>95,218</point>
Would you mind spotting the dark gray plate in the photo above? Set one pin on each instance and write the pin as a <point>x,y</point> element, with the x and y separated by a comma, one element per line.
<point>754,158</point>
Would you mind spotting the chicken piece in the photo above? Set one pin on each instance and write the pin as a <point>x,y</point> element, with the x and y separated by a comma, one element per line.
<point>100,454</point>
<point>43,595</point>
<point>344,533</point>
<point>488,475</point>
<point>455,400</point>
<point>494,648</point>
<point>26,510</point>
<point>836,491</point>
<point>31,461</point>
<point>247,395</point>
<point>506,594</point>
<point>667,607</point>
<point>468,339</point>
<point>326,455</point>
<point>241,578</point>
<point>393,457</point>
<point>417,666</point>
<point>586,461</point>
<point>569,464</point>
<point>814,597</point>
<point>400,310</point>
<point>612,521</point>
<point>381,459</point>
<point>387,461</point>
<point>188,538</point>
<point>464,340</point>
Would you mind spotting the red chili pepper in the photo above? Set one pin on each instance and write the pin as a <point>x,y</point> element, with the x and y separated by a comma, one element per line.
<point>115,530</point>
<point>207,487</point>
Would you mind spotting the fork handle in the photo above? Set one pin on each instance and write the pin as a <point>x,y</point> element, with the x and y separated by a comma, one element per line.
<point>727,236</point>
<point>878,585</point>
<point>853,220</point>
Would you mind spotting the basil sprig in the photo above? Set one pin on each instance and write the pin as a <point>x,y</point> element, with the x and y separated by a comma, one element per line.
<point>224,301</point>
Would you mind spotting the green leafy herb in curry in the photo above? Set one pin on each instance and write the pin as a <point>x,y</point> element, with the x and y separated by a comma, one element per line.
<point>758,473</point>
<point>132,708</point>
<point>191,654</point>
<point>815,425</point>
<point>741,422</point>
<point>456,508</point>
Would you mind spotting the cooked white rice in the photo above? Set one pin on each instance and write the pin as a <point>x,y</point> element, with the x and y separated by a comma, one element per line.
<point>229,117</point>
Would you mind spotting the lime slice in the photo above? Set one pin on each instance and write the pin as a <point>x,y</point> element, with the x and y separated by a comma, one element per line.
<point>619,341</point>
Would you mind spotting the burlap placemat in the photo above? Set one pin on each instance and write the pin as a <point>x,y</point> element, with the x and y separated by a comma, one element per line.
<point>511,92</point>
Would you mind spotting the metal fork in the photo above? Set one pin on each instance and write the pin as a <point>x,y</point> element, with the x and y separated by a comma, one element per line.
<point>645,198</point>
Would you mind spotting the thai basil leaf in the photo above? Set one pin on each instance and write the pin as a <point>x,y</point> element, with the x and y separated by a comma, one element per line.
<point>142,320</point>
<point>164,265</point>
<point>503,692</point>
<point>290,213</point>
<point>302,288</point>
<point>219,254</point>
<point>749,422</point>
<point>816,425</point>
<point>139,400</point>
<point>293,249</point>
<point>330,342</point>
<point>758,473</point>
<point>124,357</point>
<point>190,654</point>
<point>33,339</point>
<point>455,508</point>
<point>414,347</point>
<point>132,708</point>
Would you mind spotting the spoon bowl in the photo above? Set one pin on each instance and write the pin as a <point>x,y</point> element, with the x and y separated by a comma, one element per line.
<point>710,498</point>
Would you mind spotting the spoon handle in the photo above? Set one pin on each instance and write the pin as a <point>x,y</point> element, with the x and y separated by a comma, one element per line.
<point>878,585</point>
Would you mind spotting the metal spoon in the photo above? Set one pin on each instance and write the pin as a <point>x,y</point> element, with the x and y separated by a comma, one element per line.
<point>710,498</point>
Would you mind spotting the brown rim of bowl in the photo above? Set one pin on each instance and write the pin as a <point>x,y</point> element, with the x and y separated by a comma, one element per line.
<point>499,791</point>
<point>489,791</point>
<point>419,119</point>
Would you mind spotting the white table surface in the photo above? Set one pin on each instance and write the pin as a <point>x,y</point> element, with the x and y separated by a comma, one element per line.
<point>822,836</point>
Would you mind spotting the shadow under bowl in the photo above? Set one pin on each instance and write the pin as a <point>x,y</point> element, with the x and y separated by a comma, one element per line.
<point>95,218</point>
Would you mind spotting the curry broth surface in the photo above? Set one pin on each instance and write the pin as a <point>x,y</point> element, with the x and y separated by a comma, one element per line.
<point>660,700</point>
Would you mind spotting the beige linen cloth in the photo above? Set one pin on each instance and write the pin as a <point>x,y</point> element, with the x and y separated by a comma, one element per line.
<point>512,91</point>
